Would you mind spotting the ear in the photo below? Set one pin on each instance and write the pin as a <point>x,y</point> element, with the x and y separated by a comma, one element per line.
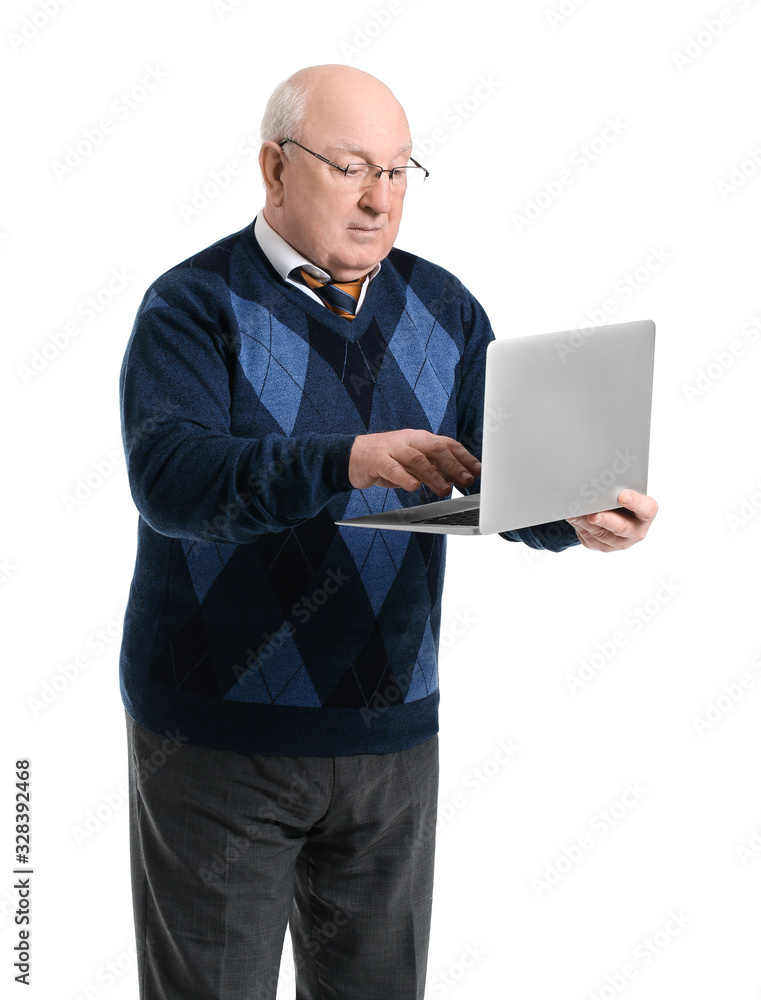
<point>272,162</point>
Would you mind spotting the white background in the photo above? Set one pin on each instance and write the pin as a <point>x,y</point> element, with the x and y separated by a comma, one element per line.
<point>501,99</point>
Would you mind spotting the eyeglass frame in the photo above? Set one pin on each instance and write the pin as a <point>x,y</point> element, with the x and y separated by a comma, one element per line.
<point>386,170</point>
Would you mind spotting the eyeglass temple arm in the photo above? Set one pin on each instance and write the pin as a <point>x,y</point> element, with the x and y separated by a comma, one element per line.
<point>323,158</point>
<point>419,165</point>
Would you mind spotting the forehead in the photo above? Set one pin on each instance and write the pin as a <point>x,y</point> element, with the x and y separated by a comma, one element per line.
<point>370,153</point>
<point>368,124</point>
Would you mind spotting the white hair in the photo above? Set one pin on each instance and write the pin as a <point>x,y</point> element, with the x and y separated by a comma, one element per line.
<point>285,111</point>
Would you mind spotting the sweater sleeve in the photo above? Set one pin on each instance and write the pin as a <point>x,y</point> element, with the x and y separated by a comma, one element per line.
<point>189,476</point>
<point>554,536</point>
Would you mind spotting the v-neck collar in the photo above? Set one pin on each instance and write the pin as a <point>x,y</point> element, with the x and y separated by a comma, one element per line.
<point>350,329</point>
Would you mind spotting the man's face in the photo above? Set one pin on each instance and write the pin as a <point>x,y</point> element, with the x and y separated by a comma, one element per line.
<point>344,229</point>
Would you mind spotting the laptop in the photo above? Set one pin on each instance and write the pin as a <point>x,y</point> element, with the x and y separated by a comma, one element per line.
<point>566,428</point>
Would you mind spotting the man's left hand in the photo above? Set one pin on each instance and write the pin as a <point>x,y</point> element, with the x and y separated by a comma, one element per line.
<point>617,529</point>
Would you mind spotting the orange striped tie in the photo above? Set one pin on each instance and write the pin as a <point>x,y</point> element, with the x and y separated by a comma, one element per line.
<point>340,297</point>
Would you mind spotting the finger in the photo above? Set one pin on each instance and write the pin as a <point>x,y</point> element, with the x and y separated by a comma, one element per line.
<point>387,484</point>
<point>618,524</point>
<point>594,528</point>
<point>418,465</point>
<point>593,541</point>
<point>452,459</point>
<point>461,453</point>
<point>585,538</point>
<point>396,476</point>
<point>588,525</point>
<point>641,505</point>
<point>448,465</point>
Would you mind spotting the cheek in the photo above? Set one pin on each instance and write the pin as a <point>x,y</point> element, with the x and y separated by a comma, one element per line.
<point>315,213</point>
<point>329,220</point>
<point>393,227</point>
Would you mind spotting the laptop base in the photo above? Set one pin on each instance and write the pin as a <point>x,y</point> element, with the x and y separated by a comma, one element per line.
<point>409,518</point>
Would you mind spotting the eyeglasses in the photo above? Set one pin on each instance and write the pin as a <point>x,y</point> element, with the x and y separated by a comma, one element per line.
<point>367,174</point>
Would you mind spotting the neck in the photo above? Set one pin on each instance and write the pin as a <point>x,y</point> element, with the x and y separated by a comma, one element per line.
<point>273,220</point>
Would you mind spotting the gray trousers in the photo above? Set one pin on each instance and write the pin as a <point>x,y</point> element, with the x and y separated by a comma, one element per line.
<point>227,849</point>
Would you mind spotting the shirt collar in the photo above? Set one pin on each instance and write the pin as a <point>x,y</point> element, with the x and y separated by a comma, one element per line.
<point>284,258</point>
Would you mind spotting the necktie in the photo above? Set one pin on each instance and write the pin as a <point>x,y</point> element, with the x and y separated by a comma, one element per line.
<point>340,297</point>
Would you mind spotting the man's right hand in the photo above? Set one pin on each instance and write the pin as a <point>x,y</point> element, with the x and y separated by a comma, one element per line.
<point>405,459</point>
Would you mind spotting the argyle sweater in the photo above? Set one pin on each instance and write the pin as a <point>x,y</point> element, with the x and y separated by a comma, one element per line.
<point>254,623</point>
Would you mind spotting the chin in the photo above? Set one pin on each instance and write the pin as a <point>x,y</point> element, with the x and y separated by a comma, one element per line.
<point>357,265</point>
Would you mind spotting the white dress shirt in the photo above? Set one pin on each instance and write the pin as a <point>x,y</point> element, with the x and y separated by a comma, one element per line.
<point>284,258</point>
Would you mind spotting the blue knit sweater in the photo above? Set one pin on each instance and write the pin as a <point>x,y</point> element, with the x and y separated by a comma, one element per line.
<point>255,623</point>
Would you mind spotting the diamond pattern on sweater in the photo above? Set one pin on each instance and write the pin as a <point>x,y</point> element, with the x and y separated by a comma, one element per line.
<point>276,364</point>
<point>385,554</point>
<point>370,672</point>
<point>425,680</point>
<point>357,364</point>
<point>373,500</point>
<point>205,562</point>
<point>427,356</point>
<point>276,676</point>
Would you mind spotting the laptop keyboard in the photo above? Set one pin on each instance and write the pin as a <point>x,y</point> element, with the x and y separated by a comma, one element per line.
<point>469,516</point>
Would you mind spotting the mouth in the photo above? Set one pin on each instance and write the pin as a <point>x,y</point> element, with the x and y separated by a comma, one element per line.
<point>362,230</point>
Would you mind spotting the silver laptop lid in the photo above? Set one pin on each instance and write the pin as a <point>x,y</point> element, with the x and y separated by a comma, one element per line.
<point>566,423</point>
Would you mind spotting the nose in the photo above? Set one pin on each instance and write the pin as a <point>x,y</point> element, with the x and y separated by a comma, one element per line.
<point>378,197</point>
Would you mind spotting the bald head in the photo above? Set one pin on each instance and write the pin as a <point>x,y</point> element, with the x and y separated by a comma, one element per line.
<point>346,116</point>
<point>299,104</point>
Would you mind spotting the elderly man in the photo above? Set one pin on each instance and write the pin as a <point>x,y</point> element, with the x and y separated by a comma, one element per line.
<point>279,673</point>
